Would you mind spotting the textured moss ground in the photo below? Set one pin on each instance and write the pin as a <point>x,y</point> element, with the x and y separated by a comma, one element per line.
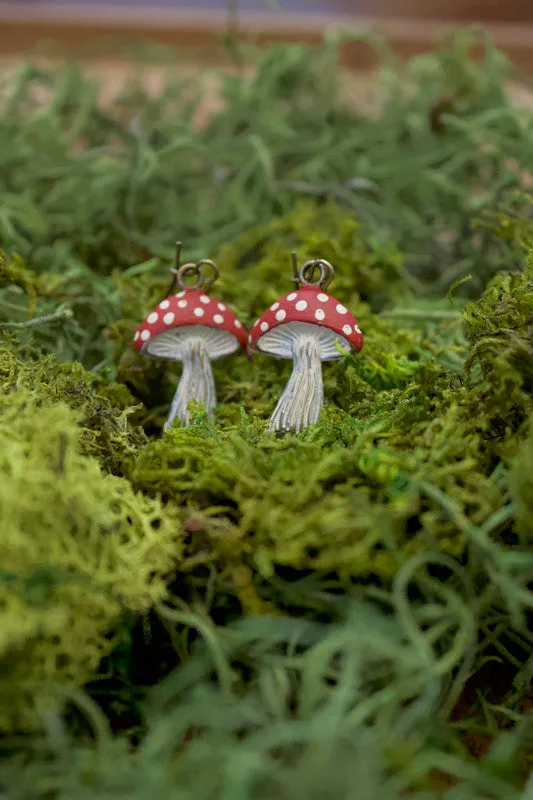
<point>216,612</point>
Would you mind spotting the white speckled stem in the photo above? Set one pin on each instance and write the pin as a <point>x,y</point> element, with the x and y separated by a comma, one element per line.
<point>196,383</point>
<point>303,397</point>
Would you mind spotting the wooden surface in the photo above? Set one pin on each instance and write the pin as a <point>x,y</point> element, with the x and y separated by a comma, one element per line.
<point>511,11</point>
<point>105,29</point>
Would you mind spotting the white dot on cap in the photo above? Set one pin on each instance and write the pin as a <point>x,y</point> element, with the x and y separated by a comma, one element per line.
<point>264,326</point>
<point>347,330</point>
<point>292,296</point>
<point>136,336</point>
<point>182,304</point>
<point>180,294</point>
<point>280,315</point>
<point>199,312</point>
<point>319,314</point>
<point>237,324</point>
<point>301,305</point>
<point>219,319</point>
<point>221,306</point>
<point>341,309</point>
<point>151,318</point>
<point>145,335</point>
<point>274,306</point>
<point>357,329</point>
<point>322,297</point>
<point>168,319</point>
<point>204,299</point>
<point>250,338</point>
<point>164,304</point>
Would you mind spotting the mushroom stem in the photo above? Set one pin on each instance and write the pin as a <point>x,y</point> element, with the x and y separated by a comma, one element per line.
<point>196,383</point>
<point>303,397</point>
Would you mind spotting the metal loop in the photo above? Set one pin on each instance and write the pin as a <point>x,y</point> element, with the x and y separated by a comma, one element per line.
<point>327,273</point>
<point>196,268</point>
<point>215,270</point>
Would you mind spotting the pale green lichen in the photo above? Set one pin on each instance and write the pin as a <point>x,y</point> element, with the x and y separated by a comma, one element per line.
<point>108,414</point>
<point>78,549</point>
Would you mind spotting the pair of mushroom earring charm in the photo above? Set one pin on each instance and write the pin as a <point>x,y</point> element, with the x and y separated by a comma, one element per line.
<point>307,325</point>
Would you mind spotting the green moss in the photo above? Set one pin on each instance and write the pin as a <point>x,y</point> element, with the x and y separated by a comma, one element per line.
<point>108,414</point>
<point>78,547</point>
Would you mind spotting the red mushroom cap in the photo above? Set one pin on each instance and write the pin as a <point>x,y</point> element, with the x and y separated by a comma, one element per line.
<point>188,307</point>
<point>309,304</point>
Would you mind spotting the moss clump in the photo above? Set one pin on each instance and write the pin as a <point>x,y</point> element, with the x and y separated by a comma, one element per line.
<point>79,548</point>
<point>107,413</point>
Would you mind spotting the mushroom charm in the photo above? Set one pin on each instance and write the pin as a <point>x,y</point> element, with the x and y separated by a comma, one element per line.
<point>193,328</point>
<point>306,326</point>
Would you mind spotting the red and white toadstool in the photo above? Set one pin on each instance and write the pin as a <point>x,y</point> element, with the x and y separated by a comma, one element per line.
<point>306,325</point>
<point>195,329</point>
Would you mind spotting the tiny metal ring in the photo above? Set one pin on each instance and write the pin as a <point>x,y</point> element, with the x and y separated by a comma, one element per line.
<point>327,273</point>
<point>186,271</point>
<point>206,262</point>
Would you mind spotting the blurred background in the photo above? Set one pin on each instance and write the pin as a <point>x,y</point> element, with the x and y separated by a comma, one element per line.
<point>94,26</point>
